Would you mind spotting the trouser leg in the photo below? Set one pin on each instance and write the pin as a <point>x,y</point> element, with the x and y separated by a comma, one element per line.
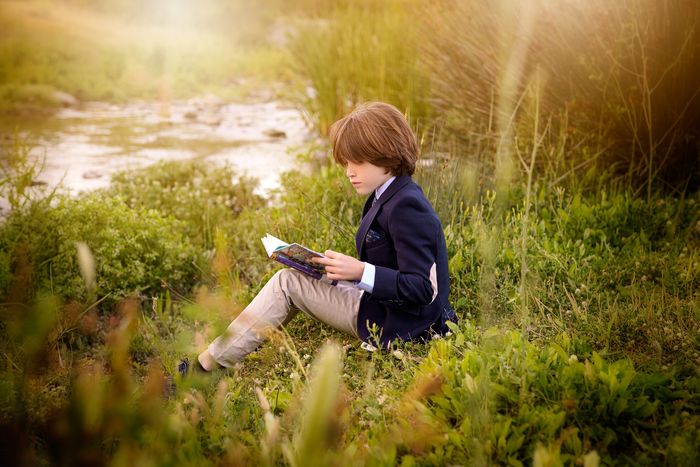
<point>277,303</point>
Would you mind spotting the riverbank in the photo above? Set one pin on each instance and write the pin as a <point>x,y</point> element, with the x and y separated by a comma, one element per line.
<point>83,146</point>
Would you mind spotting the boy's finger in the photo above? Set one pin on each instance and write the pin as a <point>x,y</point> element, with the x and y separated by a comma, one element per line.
<point>324,261</point>
<point>330,253</point>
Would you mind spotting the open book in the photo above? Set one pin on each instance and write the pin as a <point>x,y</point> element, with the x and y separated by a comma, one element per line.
<point>295,256</point>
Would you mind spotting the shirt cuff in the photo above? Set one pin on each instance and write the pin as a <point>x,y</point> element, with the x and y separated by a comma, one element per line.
<point>367,281</point>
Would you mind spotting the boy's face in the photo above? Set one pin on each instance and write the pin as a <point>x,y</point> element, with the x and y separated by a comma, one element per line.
<point>365,177</point>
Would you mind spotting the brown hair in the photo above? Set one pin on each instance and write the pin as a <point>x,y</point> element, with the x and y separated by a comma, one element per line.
<point>377,133</point>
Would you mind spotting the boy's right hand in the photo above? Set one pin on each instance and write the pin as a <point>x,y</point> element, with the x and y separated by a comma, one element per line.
<point>341,267</point>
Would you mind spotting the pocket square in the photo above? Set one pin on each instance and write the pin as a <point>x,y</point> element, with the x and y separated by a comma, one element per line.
<point>374,236</point>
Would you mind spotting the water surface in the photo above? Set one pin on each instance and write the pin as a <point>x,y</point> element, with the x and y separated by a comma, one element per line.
<point>84,146</point>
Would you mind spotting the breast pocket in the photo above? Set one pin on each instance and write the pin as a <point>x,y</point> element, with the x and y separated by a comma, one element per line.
<point>374,237</point>
<point>378,245</point>
<point>379,248</point>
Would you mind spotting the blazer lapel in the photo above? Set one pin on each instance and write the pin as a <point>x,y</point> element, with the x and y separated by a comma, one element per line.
<point>364,225</point>
<point>368,218</point>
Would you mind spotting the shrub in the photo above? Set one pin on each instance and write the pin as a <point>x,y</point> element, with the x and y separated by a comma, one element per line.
<point>136,251</point>
<point>502,396</point>
<point>202,196</point>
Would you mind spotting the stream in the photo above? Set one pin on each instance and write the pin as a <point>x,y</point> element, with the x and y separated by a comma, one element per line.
<point>85,145</point>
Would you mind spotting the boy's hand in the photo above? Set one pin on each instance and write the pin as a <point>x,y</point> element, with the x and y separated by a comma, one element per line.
<point>341,267</point>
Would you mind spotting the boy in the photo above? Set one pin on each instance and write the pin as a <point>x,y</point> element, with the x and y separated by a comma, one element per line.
<point>399,286</point>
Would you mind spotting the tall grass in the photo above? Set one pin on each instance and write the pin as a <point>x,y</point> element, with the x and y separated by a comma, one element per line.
<point>619,82</point>
<point>362,50</point>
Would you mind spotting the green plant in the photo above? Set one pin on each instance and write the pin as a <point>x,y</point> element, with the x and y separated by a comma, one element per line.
<point>618,84</point>
<point>204,197</point>
<point>19,171</point>
<point>502,395</point>
<point>604,369</point>
<point>136,251</point>
<point>363,50</point>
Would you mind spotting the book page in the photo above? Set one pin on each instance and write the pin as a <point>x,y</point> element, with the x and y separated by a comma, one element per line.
<point>272,243</point>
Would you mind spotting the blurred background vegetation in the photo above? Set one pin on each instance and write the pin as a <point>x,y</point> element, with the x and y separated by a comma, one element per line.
<point>117,50</point>
<point>559,147</point>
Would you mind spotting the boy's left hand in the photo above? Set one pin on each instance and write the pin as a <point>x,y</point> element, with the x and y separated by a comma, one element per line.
<point>341,267</point>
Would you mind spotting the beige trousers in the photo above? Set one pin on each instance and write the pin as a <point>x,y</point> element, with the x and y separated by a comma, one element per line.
<point>277,302</point>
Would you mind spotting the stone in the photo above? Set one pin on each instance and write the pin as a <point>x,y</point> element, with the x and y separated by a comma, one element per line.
<point>273,133</point>
<point>65,99</point>
<point>92,174</point>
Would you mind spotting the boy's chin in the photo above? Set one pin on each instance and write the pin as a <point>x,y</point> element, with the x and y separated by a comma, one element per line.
<point>361,190</point>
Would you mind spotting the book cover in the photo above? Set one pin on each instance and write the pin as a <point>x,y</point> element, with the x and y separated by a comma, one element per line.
<point>293,255</point>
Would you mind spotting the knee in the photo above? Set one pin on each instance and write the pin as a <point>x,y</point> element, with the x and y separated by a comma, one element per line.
<point>284,277</point>
<point>290,282</point>
<point>276,277</point>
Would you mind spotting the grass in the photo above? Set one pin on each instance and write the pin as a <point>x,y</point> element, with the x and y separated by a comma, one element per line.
<point>112,55</point>
<point>360,51</point>
<point>614,82</point>
<point>613,79</point>
<point>610,334</point>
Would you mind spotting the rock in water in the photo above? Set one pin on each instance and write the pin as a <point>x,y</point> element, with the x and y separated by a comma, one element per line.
<point>91,175</point>
<point>65,99</point>
<point>272,133</point>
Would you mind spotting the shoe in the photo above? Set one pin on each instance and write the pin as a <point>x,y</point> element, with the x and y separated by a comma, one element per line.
<point>186,368</point>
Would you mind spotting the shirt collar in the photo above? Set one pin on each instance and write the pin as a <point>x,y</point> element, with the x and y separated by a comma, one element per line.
<point>381,188</point>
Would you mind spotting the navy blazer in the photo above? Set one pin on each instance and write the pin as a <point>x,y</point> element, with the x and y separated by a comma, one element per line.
<point>401,235</point>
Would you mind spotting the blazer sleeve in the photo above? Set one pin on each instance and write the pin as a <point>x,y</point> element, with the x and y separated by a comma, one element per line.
<point>412,226</point>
